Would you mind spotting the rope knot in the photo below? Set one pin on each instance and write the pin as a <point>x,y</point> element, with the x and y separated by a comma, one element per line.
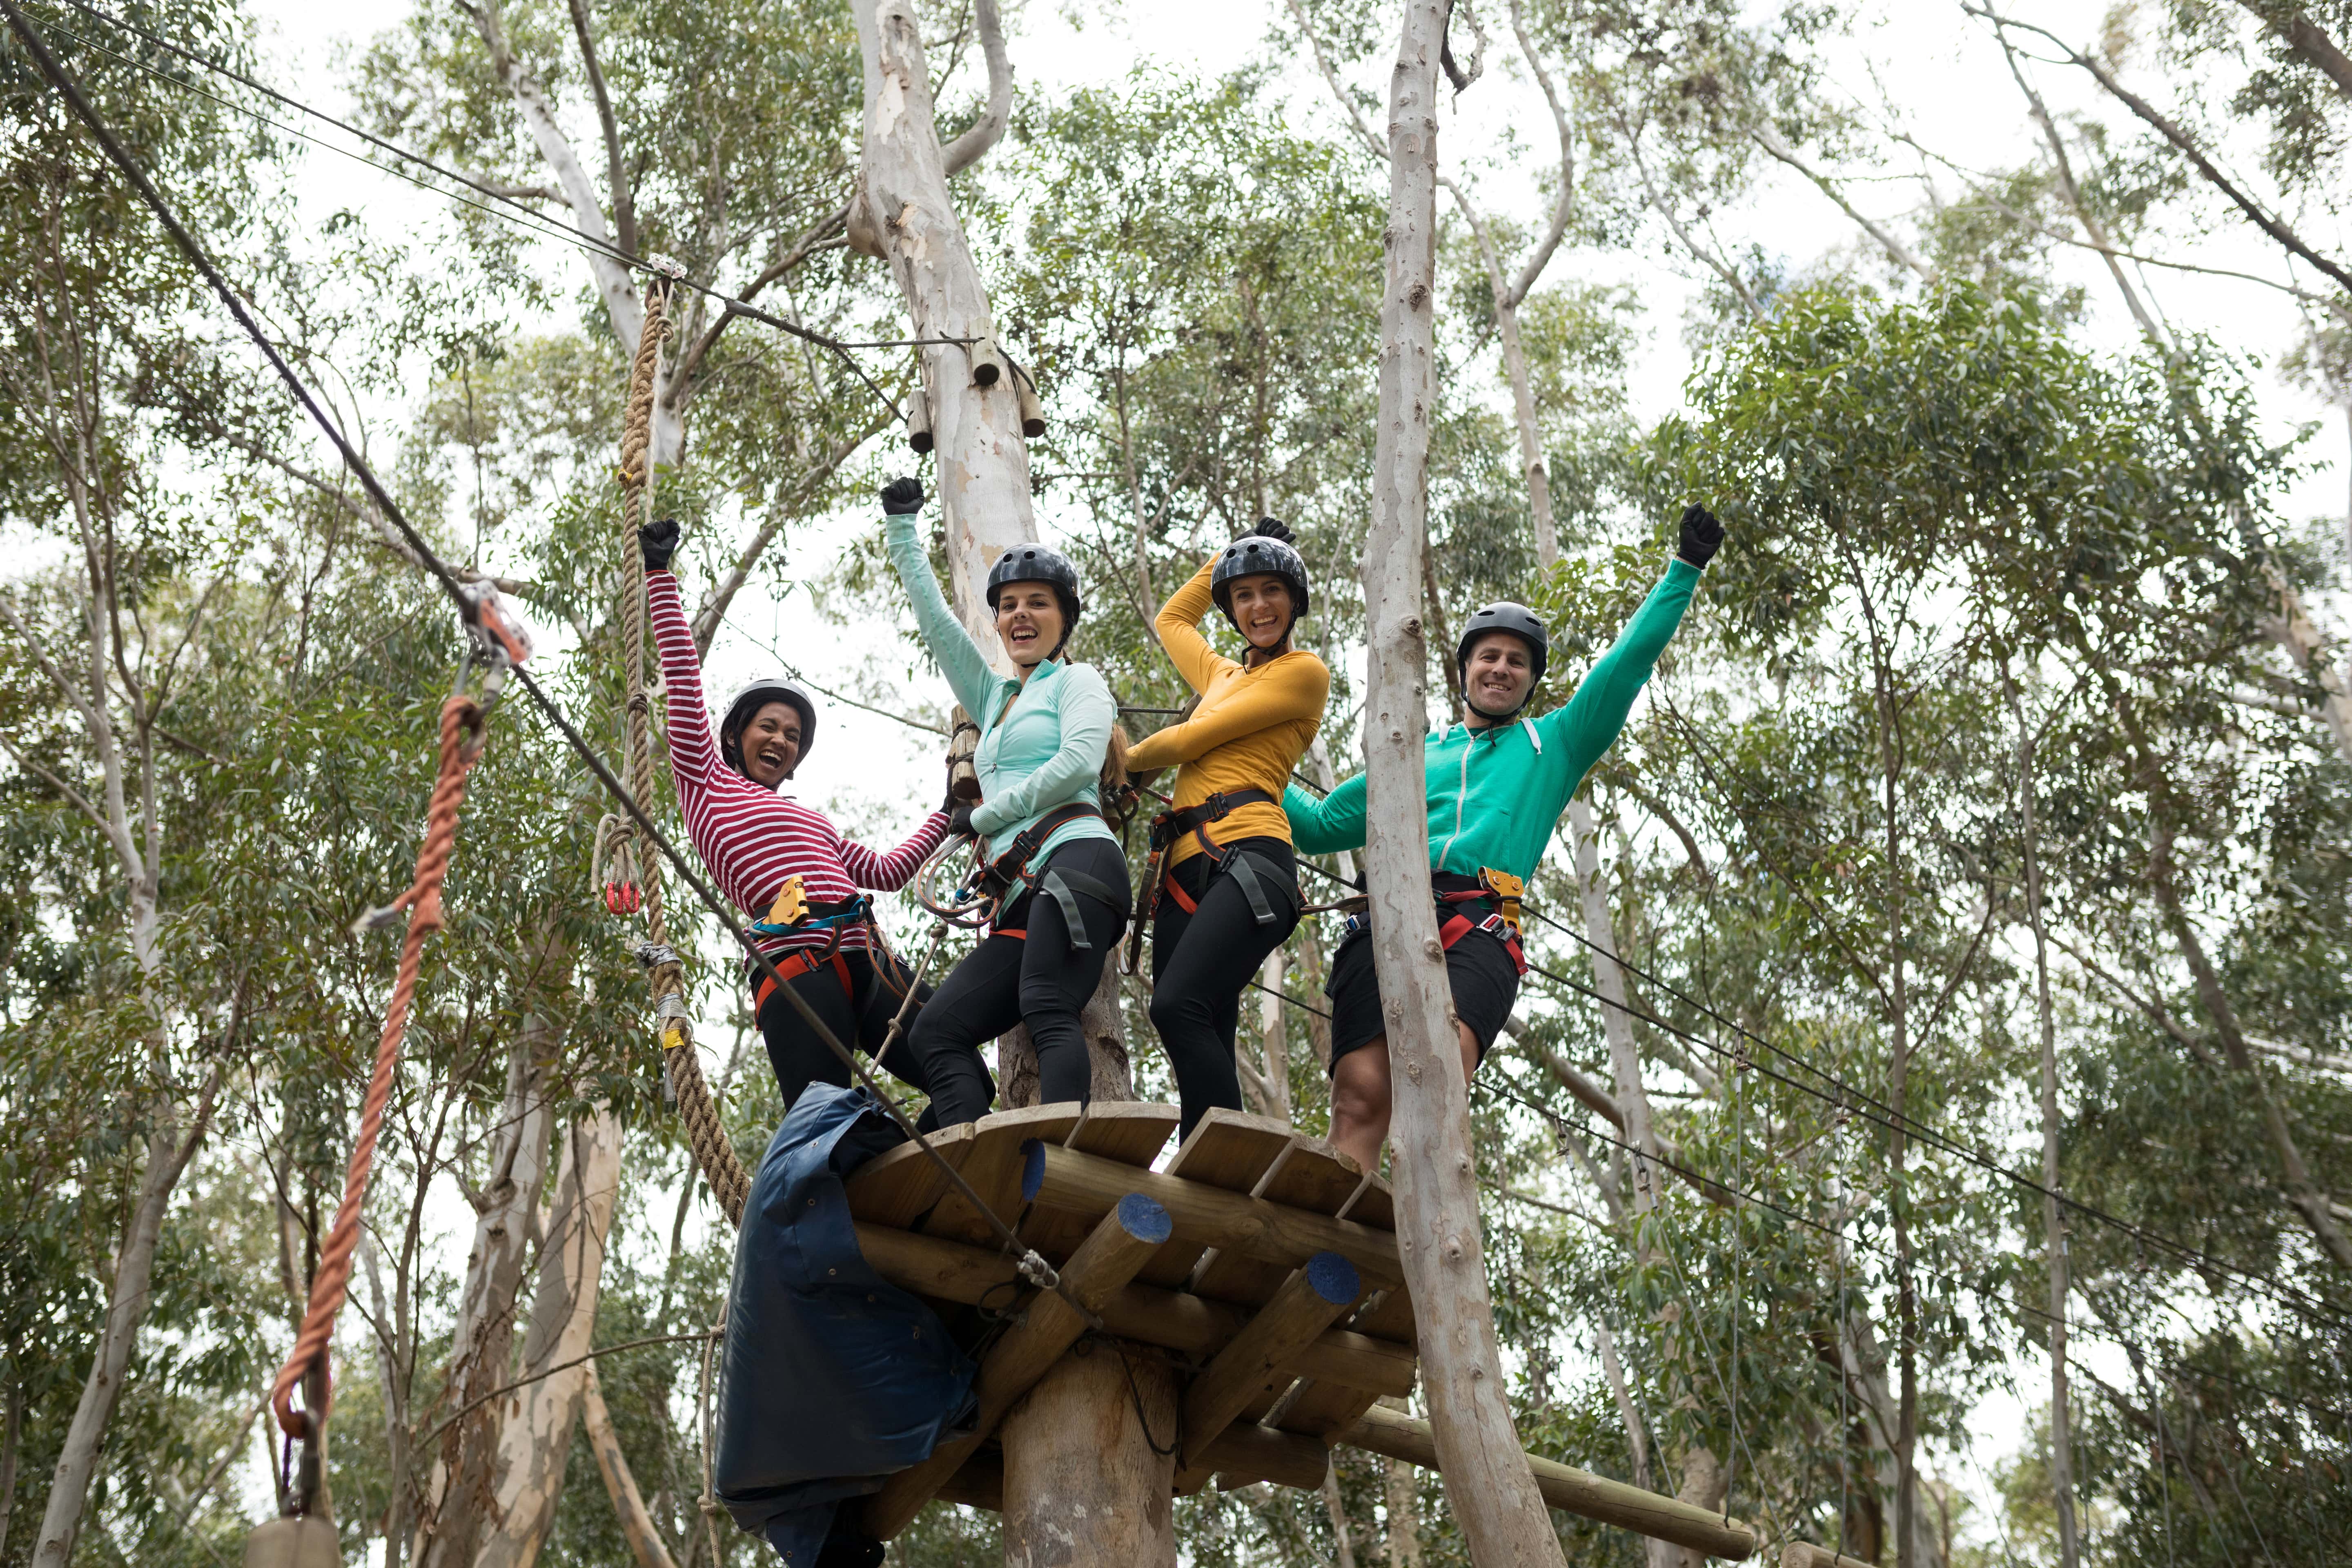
<point>1037,1271</point>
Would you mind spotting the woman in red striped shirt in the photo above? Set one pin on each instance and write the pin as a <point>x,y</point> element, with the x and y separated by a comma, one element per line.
<point>755,839</point>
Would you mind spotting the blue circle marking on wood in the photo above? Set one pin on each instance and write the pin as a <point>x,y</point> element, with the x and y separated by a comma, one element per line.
<point>1333,1278</point>
<point>1033,1170</point>
<point>1144,1219</point>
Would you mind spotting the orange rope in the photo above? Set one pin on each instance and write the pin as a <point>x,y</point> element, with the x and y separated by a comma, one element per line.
<point>461,744</point>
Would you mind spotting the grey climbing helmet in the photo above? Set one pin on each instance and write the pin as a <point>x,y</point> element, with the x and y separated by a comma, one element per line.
<point>1255,555</point>
<point>1518,620</point>
<point>745,705</point>
<point>1040,563</point>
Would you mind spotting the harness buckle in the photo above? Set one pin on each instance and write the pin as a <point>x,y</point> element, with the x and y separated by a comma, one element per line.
<point>791,907</point>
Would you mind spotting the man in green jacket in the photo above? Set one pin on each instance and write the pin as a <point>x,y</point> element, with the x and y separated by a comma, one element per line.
<point>1497,782</point>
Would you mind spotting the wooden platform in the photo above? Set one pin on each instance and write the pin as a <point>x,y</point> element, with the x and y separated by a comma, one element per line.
<point>1271,1272</point>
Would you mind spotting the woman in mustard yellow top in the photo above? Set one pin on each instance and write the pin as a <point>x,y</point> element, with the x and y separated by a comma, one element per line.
<point>1227,890</point>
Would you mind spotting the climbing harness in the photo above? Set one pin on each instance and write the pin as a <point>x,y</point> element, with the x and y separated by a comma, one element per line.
<point>1172,825</point>
<point>1008,877</point>
<point>1453,894</point>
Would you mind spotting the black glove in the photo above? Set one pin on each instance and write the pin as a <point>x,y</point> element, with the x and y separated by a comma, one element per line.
<point>902,496</point>
<point>1702,536</point>
<point>658,540</point>
<point>959,821</point>
<point>1274,527</point>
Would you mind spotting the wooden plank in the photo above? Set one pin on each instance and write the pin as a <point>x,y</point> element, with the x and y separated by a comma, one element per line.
<point>1132,1132</point>
<point>1374,1204</point>
<point>979,1484</point>
<point>894,1189</point>
<point>1257,1365</point>
<point>1247,1452</point>
<point>1060,1178</point>
<point>1048,1325</point>
<point>994,1169</point>
<point>1388,1316</point>
<point>948,1271</point>
<point>1229,1149</point>
<point>1571,1491</point>
<point>1311,1175</point>
<point>1318,1409</point>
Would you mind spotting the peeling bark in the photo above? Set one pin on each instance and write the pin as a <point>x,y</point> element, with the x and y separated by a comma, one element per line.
<point>1488,1483</point>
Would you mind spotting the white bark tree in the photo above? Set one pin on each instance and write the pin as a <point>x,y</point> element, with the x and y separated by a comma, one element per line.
<point>1488,1482</point>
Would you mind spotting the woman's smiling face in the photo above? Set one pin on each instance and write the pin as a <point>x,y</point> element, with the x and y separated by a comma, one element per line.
<point>1029,621</point>
<point>771,744</point>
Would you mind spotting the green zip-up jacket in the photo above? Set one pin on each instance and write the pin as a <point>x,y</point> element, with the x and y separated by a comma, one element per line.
<point>1041,744</point>
<point>1494,795</point>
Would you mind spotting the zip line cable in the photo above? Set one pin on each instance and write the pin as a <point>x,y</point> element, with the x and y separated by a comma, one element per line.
<point>2017,1304</point>
<point>1844,1096</point>
<point>1033,1267</point>
<point>520,214</point>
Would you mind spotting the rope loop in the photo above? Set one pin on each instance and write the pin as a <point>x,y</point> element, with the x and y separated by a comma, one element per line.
<point>308,1365</point>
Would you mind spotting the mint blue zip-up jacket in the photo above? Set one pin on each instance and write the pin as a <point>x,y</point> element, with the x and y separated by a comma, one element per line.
<point>1041,744</point>
<point>1494,795</point>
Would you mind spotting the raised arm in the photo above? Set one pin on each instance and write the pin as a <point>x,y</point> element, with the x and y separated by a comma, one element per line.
<point>693,751</point>
<point>1086,713</point>
<point>1321,826</point>
<point>1293,688</point>
<point>959,656</point>
<point>1178,625</point>
<point>1587,724</point>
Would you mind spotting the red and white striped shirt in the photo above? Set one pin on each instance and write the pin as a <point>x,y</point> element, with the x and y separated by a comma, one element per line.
<point>752,838</point>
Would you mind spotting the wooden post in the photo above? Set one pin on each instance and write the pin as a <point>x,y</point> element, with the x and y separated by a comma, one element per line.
<point>1085,1483</point>
<point>1308,1302</point>
<point>1567,1488</point>
<point>1106,1260</point>
<point>1056,1177</point>
<point>1488,1477</point>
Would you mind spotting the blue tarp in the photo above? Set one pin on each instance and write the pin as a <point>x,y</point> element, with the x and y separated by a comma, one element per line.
<point>835,1378</point>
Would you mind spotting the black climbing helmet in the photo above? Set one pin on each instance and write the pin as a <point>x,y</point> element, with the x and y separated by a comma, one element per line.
<point>1518,620</point>
<point>744,706</point>
<point>1254,555</point>
<point>1040,563</point>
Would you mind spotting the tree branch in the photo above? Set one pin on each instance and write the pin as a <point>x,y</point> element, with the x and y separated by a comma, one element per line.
<point>2306,38</point>
<point>722,593</point>
<point>966,150</point>
<point>1540,257</point>
<point>2262,217</point>
<point>624,204</point>
<point>1767,135</point>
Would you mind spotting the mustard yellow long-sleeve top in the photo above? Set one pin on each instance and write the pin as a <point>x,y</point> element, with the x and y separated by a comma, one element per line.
<point>1249,731</point>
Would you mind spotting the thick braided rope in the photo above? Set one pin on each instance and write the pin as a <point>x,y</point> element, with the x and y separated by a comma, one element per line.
<point>705,1133</point>
<point>635,479</point>
<point>461,738</point>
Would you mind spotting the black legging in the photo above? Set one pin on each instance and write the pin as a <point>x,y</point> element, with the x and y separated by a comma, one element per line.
<point>859,1017</point>
<point>1039,980</point>
<point>1201,960</point>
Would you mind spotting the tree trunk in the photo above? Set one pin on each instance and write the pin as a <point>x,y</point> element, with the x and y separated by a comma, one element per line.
<point>1274,1034</point>
<point>2054,1235</point>
<point>454,1516</point>
<point>905,211</point>
<point>1084,1486</point>
<point>535,1437</point>
<point>1624,1059</point>
<point>11,1444</point>
<point>903,215</point>
<point>1492,1490</point>
<point>620,1483</point>
<point>126,1309</point>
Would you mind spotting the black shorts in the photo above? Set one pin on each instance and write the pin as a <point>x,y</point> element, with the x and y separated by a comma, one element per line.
<point>1478,970</point>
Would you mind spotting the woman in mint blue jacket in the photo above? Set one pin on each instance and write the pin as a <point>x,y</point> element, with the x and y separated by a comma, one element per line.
<point>1043,733</point>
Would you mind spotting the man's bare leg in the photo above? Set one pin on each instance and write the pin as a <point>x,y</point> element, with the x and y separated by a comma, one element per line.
<point>1362,1096</point>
